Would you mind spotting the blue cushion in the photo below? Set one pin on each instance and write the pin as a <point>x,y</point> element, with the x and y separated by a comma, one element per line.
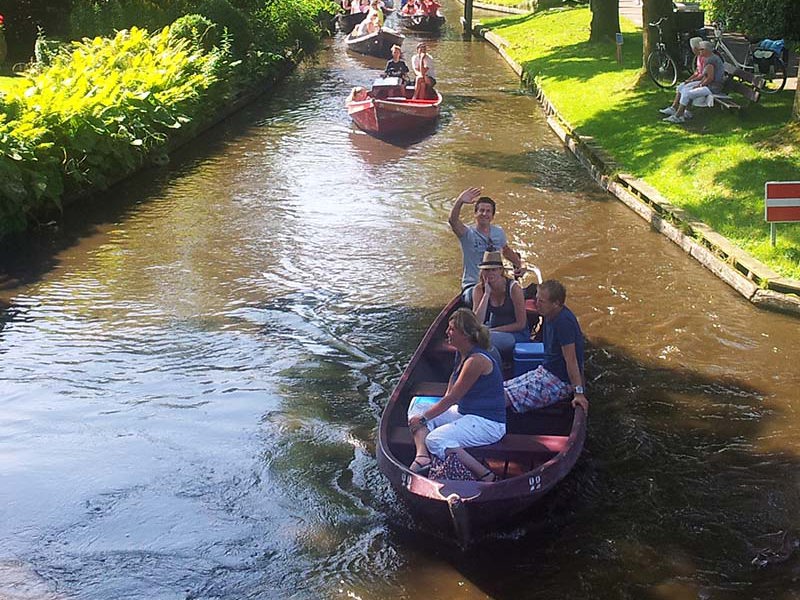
<point>528,350</point>
<point>420,404</point>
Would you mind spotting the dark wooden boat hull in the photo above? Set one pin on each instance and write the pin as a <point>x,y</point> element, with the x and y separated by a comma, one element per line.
<point>375,44</point>
<point>347,22</point>
<point>539,450</point>
<point>430,23</point>
<point>394,117</point>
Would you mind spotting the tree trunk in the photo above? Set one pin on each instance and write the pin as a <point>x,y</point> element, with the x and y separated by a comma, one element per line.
<point>796,108</point>
<point>605,20</point>
<point>652,11</point>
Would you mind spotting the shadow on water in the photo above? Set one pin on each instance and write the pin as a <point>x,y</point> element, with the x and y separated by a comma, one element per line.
<point>672,497</point>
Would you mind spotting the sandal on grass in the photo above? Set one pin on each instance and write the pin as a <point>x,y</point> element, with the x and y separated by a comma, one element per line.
<point>419,467</point>
<point>488,477</point>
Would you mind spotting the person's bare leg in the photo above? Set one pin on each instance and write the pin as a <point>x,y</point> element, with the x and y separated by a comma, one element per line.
<point>419,88</point>
<point>421,449</point>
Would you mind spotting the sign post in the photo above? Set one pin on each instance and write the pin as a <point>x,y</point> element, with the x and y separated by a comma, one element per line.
<point>619,48</point>
<point>781,204</point>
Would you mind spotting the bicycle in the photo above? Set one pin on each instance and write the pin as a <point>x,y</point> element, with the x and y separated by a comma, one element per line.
<point>661,66</point>
<point>760,61</point>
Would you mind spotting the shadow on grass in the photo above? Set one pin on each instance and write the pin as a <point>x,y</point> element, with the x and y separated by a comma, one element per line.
<point>545,168</point>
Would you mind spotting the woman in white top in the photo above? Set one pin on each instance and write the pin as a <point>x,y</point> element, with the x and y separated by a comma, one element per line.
<point>422,65</point>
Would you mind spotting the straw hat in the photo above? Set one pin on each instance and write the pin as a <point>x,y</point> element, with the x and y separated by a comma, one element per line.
<point>491,260</point>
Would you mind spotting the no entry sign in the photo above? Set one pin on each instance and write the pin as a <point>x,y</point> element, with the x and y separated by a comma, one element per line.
<point>782,201</point>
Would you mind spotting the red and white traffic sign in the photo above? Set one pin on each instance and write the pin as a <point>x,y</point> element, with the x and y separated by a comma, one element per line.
<point>782,201</point>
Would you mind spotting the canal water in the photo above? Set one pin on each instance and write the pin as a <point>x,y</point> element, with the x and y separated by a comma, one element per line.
<point>193,371</point>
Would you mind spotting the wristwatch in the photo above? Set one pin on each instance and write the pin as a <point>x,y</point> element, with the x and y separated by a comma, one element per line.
<point>579,389</point>
<point>422,420</point>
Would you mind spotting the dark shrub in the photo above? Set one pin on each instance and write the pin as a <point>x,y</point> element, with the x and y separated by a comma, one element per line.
<point>760,18</point>
<point>199,30</point>
<point>229,18</point>
<point>23,18</point>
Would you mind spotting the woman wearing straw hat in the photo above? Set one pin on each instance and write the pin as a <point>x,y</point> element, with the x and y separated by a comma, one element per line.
<point>499,303</point>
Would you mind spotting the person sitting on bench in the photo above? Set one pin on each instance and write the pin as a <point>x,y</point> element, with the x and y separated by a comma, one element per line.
<point>422,65</point>
<point>561,376</point>
<point>709,84</point>
<point>472,411</point>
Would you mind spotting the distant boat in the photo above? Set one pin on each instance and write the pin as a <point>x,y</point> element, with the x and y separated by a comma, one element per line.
<point>538,451</point>
<point>429,23</point>
<point>375,44</point>
<point>347,21</point>
<point>387,109</point>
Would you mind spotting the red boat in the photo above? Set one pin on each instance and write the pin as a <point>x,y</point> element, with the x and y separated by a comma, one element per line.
<point>388,108</point>
<point>538,451</point>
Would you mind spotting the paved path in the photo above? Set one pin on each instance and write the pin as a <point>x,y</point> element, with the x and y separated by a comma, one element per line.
<point>632,10</point>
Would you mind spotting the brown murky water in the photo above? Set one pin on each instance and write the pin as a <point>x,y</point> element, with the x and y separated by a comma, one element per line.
<point>190,382</point>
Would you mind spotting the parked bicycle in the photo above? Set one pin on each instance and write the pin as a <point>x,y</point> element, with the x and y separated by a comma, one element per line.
<point>760,60</point>
<point>661,66</point>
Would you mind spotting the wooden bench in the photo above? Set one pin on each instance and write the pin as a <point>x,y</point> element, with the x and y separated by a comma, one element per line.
<point>745,83</point>
<point>514,446</point>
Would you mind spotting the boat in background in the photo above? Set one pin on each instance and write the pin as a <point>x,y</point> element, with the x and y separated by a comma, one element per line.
<point>388,109</point>
<point>375,44</point>
<point>347,22</point>
<point>430,23</point>
<point>539,449</point>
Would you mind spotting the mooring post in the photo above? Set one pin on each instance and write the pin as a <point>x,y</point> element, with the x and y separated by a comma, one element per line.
<point>466,20</point>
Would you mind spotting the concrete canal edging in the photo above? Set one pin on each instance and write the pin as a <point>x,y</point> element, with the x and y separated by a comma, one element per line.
<point>748,276</point>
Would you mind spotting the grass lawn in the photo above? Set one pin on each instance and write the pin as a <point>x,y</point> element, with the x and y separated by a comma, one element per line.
<point>714,166</point>
<point>12,84</point>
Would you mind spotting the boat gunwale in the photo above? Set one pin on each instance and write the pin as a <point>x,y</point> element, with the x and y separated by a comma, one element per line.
<point>422,487</point>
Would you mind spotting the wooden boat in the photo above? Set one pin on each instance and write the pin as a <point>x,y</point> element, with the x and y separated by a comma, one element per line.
<point>387,109</point>
<point>538,451</point>
<point>375,44</point>
<point>431,23</point>
<point>347,22</point>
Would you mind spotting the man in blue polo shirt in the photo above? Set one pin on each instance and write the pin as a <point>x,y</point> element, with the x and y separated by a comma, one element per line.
<point>562,372</point>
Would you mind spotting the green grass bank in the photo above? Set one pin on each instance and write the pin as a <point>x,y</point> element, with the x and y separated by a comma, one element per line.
<point>714,166</point>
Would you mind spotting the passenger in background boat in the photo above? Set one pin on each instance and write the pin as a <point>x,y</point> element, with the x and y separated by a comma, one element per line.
<point>499,303</point>
<point>430,7</point>
<point>422,65</point>
<point>479,238</point>
<point>358,6</point>
<point>472,411</point>
<point>358,94</point>
<point>562,373</point>
<point>412,7</point>
<point>367,26</point>
<point>376,7</point>
<point>396,66</point>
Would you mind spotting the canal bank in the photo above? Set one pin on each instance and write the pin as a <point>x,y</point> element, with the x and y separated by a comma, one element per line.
<point>750,277</point>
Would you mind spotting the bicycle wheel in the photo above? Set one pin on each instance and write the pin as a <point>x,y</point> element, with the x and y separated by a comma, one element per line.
<point>774,74</point>
<point>662,69</point>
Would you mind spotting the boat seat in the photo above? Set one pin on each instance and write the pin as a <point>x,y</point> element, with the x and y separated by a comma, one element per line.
<point>511,446</point>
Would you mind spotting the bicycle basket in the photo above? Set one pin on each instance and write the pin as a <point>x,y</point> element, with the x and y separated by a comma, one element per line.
<point>763,56</point>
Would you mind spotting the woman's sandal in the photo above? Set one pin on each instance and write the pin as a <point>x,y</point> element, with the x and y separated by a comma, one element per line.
<point>422,468</point>
<point>489,473</point>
